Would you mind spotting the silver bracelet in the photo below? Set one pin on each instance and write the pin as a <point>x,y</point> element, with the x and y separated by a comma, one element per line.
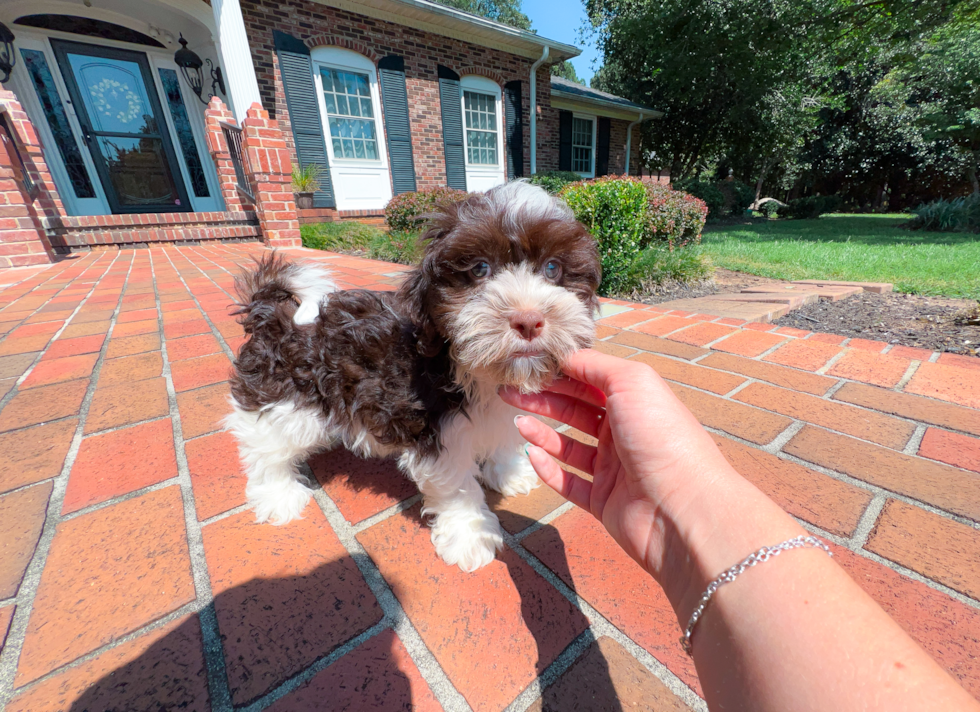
<point>763,554</point>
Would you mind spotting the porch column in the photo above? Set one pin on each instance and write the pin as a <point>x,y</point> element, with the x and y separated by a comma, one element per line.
<point>236,57</point>
<point>23,237</point>
<point>271,176</point>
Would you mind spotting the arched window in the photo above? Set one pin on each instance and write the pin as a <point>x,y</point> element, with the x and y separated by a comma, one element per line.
<point>483,132</point>
<point>350,108</point>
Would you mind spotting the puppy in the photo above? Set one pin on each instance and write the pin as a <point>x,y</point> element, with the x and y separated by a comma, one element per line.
<point>504,294</point>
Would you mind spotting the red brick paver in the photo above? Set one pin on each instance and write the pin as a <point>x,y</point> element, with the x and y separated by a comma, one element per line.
<point>132,575</point>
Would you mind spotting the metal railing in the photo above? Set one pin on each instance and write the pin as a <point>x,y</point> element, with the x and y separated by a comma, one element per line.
<point>8,138</point>
<point>239,159</point>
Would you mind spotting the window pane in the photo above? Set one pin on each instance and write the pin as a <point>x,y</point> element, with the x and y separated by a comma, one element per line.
<point>350,112</point>
<point>480,117</point>
<point>54,112</point>
<point>188,147</point>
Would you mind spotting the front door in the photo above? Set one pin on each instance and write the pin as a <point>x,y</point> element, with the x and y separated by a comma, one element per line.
<point>122,123</point>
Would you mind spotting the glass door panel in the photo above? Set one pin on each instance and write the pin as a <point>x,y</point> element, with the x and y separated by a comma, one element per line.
<point>116,104</point>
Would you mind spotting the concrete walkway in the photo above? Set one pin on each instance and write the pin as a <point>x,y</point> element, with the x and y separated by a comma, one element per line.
<point>132,577</point>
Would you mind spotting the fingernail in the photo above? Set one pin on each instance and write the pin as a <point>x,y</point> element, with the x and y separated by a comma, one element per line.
<point>527,449</point>
<point>517,420</point>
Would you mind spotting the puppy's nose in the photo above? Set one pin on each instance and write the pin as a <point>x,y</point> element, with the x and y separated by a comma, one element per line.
<point>528,324</point>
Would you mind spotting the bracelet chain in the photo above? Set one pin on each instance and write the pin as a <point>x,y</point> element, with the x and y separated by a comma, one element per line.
<point>760,556</point>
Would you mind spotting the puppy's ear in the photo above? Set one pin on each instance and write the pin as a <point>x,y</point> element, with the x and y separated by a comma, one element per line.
<point>417,291</point>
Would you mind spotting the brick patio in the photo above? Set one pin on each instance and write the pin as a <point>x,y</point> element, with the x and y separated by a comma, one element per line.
<point>131,576</point>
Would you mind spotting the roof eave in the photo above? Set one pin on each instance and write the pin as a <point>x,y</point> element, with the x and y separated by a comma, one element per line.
<point>432,17</point>
<point>643,112</point>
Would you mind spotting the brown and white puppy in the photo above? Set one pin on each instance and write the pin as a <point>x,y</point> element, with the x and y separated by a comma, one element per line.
<point>504,294</point>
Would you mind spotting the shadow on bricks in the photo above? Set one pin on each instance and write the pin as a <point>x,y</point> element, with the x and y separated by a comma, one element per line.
<point>258,656</point>
<point>273,629</point>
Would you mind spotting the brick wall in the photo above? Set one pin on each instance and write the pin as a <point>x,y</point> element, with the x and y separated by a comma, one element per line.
<point>318,25</point>
<point>617,147</point>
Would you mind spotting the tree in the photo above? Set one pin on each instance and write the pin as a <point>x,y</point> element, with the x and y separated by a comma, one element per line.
<point>566,70</point>
<point>723,71</point>
<point>946,81</point>
<point>507,12</point>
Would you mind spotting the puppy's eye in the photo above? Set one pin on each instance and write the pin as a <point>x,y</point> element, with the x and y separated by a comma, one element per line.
<point>481,269</point>
<point>552,270</point>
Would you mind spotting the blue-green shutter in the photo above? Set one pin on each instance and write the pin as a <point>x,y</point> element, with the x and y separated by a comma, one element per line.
<point>394,97</point>
<point>514,120</point>
<point>452,128</point>
<point>564,140</point>
<point>602,146</point>
<point>296,70</point>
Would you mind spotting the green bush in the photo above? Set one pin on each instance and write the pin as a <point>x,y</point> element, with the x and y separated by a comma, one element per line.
<point>708,192</point>
<point>957,215</point>
<point>397,246</point>
<point>674,217</point>
<point>738,196</point>
<point>659,264</point>
<point>626,216</point>
<point>404,212</point>
<point>344,236</point>
<point>812,206</point>
<point>769,208</point>
<point>554,181</point>
<point>615,212</point>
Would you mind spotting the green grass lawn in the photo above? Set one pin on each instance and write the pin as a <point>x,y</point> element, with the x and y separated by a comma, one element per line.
<point>864,248</point>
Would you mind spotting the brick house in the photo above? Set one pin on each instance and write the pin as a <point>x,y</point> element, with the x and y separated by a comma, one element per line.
<point>179,120</point>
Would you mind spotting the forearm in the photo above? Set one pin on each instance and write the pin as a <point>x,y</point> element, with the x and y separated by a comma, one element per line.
<point>793,633</point>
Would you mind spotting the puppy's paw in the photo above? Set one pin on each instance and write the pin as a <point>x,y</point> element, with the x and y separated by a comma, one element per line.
<point>510,476</point>
<point>467,539</point>
<point>278,502</point>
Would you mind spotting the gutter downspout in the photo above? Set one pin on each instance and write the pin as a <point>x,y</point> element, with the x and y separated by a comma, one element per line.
<point>534,109</point>
<point>629,138</point>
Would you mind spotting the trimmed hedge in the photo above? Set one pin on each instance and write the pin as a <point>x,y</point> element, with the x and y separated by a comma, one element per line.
<point>627,216</point>
<point>405,212</point>
<point>554,181</point>
<point>812,206</point>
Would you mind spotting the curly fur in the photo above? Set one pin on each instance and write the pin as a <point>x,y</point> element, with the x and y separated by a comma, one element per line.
<point>414,373</point>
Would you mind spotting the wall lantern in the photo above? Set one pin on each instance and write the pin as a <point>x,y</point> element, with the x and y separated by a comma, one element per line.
<point>7,57</point>
<point>190,66</point>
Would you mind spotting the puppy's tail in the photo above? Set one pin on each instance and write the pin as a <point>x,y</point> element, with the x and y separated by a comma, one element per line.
<point>277,287</point>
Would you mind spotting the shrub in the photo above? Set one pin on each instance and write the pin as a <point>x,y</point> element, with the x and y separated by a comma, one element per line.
<point>708,192</point>
<point>615,212</point>
<point>339,236</point>
<point>405,212</point>
<point>554,181</point>
<point>812,206</point>
<point>769,208</point>
<point>674,217</point>
<point>401,247</point>
<point>626,216</point>
<point>659,264</point>
<point>957,215</point>
<point>738,196</point>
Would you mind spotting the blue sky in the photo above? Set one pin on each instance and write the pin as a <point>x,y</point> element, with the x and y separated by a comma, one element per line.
<point>560,20</point>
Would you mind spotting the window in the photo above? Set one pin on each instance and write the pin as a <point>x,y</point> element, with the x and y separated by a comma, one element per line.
<point>350,114</point>
<point>480,111</point>
<point>582,148</point>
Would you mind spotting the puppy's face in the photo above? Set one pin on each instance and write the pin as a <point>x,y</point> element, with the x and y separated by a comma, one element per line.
<point>509,279</point>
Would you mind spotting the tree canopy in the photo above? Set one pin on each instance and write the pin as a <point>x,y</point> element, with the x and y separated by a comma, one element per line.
<point>507,12</point>
<point>817,94</point>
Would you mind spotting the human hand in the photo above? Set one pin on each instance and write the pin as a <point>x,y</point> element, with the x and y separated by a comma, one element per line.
<point>660,485</point>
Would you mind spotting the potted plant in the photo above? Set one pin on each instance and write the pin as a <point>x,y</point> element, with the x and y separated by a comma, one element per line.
<point>306,181</point>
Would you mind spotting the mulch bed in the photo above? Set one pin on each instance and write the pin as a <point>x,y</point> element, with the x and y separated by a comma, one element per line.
<point>938,324</point>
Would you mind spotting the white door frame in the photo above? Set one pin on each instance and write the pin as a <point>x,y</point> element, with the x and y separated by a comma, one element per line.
<point>157,58</point>
<point>481,176</point>
<point>358,184</point>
